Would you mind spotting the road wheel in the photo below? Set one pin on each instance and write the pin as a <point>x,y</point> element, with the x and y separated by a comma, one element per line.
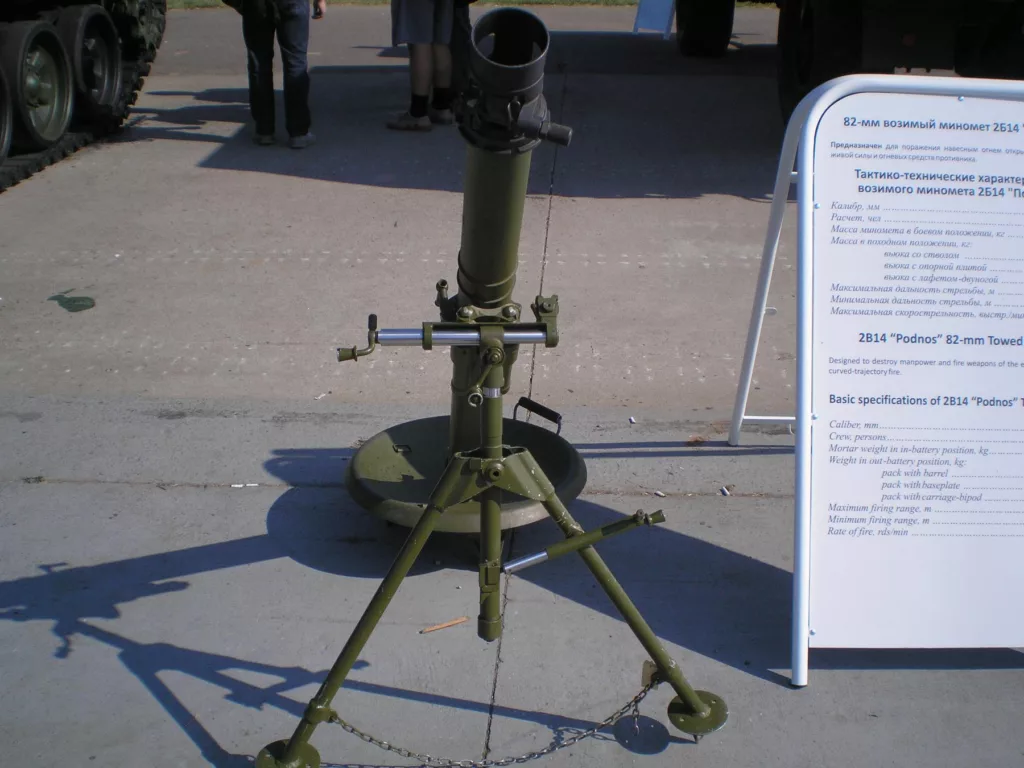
<point>704,27</point>
<point>89,35</point>
<point>39,75</point>
<point>818,40</point>
<point>6,119</point>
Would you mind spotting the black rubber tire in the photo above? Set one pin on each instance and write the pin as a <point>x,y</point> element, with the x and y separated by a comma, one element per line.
<point>818,40</point>
<point>704,27</point>
<point>94,48</point>
<point>6,118</point>
<point>17,41</point>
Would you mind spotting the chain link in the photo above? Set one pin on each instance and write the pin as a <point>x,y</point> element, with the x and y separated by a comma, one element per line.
<point>632,707</point>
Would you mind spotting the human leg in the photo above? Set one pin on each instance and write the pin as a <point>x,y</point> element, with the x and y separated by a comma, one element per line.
<point>293,38</point>
<point>420,68</point>
<point>258,33</point>
<point>441,61</point>
<point>411,24</point>
<point>441,105</point>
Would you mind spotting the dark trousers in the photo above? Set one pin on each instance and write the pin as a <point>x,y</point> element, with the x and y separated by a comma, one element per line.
<point>292,30</point>
<point>459,46</point>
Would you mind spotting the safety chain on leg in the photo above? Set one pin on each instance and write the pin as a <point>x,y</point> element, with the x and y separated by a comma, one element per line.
<point>629,708</point>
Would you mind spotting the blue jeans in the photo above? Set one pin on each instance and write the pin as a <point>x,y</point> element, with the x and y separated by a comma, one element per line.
<point>292,29</point>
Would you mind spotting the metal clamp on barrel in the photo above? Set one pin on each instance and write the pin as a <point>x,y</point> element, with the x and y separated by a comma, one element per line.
<point>442,335</point>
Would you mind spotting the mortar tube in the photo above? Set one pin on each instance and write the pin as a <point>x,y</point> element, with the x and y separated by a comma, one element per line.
<point>492,220</point>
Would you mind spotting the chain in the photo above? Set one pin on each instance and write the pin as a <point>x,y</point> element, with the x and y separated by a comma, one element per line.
<point>632,707</point>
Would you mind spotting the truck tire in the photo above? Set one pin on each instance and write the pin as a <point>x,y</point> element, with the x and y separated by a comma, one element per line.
<point>817,41</point>
<point>6,118</point>
<point>39,75</point>
<point>89,35</point>
<point>704,27</point>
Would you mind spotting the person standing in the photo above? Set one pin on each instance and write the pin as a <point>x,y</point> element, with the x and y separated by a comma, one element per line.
<point>289,21</point>
<point>460,45</point>
<point>426,27</point>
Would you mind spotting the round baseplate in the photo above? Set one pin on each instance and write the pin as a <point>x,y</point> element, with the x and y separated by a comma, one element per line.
<point>272,755</point>
<point>679,715</point>
<point>393,473</point>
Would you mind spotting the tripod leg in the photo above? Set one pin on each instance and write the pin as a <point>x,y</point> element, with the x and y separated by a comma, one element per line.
<point>650,642</point>
<point>297,752</point>
<point>489,619</point>
<point>669,669</point>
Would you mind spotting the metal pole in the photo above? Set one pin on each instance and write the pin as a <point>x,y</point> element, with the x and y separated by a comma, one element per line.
<point>783,180</point>
<point>804,415</point>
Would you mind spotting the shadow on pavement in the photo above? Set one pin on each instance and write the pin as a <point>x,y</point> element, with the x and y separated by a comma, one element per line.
<point>707,599</point>
<point>710,600</point>
<point>303,526</point>
<point>647,123</point>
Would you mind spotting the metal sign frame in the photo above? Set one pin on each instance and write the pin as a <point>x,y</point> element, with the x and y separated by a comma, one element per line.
<point>798,146</point>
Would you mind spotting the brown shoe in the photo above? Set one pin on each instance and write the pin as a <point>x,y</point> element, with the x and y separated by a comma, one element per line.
<point>406,122</point>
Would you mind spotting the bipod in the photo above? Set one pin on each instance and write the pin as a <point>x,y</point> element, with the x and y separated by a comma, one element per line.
<point>484,473</point>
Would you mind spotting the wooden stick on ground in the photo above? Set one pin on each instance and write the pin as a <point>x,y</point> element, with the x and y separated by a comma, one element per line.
<point>452,623</point>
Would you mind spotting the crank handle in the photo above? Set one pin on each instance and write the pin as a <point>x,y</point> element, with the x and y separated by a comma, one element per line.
<point>354,353</point>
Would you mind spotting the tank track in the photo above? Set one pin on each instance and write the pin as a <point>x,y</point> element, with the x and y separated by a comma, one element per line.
<point>19,167</point>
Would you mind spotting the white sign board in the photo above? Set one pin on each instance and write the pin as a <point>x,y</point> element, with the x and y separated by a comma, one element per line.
<point>655,15</point>
<point>916,508</point>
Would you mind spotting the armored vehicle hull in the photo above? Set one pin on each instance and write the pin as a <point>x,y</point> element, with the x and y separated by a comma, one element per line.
<point>69,72</point>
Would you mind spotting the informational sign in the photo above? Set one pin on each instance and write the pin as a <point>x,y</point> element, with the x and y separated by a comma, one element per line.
<point>917,361</point>
<point>654,15</point>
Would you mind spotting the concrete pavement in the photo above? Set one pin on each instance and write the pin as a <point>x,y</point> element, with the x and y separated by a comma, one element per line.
<point>179,560</point>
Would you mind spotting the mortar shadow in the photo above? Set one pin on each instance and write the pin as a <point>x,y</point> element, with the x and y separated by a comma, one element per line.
<point>702,597</point>
<point>647,123</point>
<point>86,602</point>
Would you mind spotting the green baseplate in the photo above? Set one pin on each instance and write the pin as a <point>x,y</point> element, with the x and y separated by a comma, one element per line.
<point>394,472</point>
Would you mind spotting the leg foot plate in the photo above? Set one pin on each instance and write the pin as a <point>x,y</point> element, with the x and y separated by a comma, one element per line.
<point>680,716</point>
<point>271,756</point>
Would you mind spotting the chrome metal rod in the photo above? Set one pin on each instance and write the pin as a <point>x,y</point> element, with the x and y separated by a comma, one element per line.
<point>470,337</point>
<point>400,337</point>
<point>524,562</point>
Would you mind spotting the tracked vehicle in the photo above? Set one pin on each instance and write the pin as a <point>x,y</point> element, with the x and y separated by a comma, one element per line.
<point>69,71</point>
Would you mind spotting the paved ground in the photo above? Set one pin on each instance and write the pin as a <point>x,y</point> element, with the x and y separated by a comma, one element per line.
<point>157,615</point>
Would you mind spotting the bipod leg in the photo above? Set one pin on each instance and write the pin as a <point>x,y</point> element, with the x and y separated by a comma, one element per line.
<point>693,712</point>
<point>457,484</point>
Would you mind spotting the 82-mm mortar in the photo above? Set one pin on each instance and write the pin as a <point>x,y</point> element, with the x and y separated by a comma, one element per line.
<point>393,474</point>
<point>482,324</point>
